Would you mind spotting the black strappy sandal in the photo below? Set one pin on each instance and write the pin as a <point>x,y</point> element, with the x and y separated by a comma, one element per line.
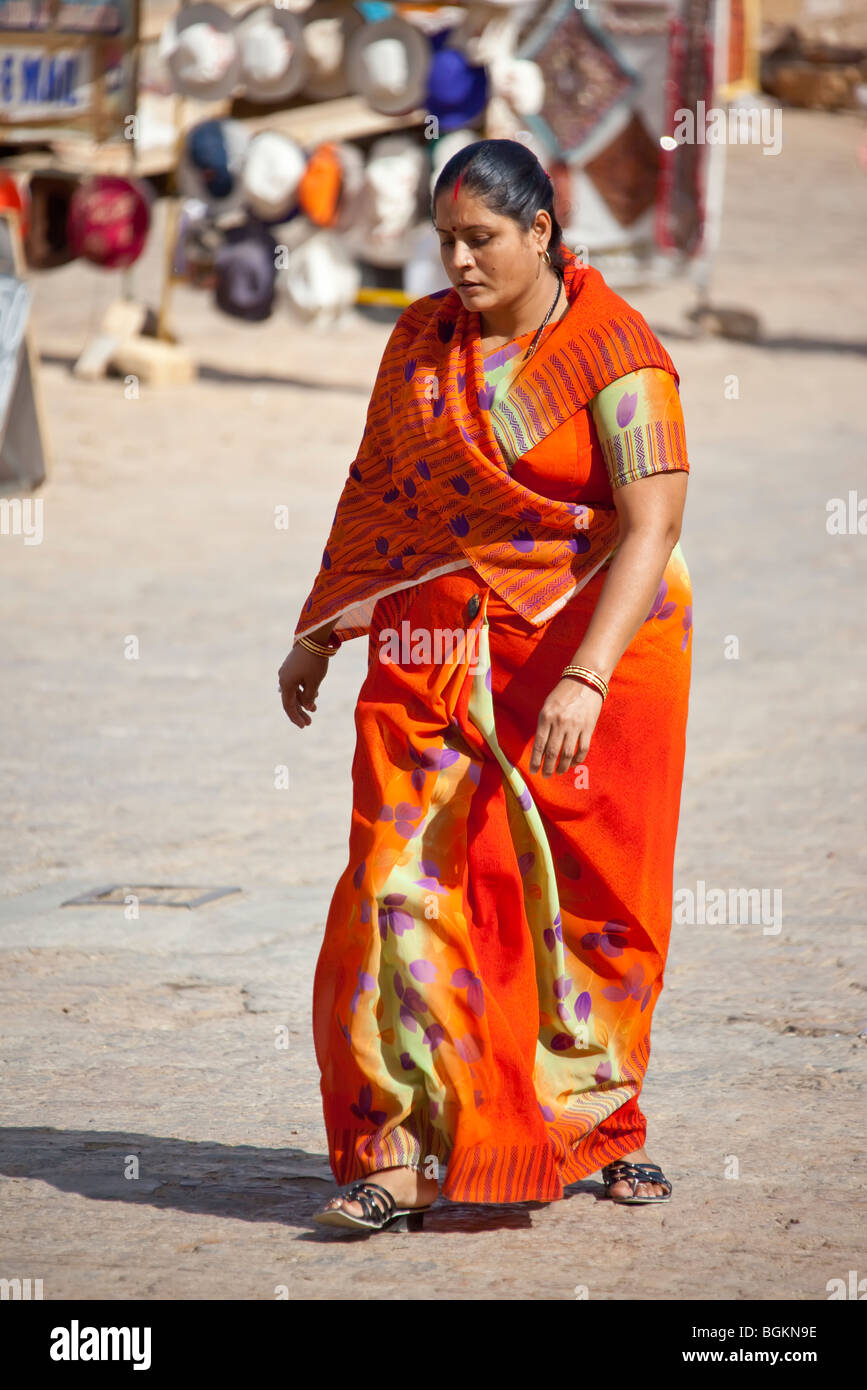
<point>636,1173</point>
<point>381,1212</point>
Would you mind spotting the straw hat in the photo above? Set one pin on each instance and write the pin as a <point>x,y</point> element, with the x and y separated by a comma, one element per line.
<point>273,56</point>
<point>199,48</point>
<point>388,65</point>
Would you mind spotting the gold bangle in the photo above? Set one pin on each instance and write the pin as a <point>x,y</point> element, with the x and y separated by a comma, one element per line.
<point>591,678</point>
<point>317,648</point>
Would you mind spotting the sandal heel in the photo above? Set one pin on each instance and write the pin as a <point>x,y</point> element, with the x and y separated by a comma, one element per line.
<point>407,1221</point>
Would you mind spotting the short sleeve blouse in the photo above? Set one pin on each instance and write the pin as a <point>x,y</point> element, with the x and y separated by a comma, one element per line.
<point>639,423</point>
<point>628,430</point>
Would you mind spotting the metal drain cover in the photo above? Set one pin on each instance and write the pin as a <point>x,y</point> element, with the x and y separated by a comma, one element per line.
<point>148,895</point>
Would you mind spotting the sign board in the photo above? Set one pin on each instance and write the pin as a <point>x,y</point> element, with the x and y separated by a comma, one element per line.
<point>67,66</point>
<point>37,83</point>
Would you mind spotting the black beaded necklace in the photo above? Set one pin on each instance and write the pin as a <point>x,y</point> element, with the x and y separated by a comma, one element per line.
<point>532,348</point>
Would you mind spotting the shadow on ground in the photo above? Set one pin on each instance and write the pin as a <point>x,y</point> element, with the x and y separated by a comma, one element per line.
<point>241,1182</point>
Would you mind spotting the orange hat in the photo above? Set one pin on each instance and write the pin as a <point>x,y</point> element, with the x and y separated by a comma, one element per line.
<point>320,186</point>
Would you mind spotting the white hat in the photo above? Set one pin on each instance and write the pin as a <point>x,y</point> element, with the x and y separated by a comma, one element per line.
<point>327,32</point>
<point>272,173</point>
<point>273,57</point>
<point>390,203</point>
<point>321,279</point>
<point>520,82</point>
<point>199,49</point>
<point>388,64</point>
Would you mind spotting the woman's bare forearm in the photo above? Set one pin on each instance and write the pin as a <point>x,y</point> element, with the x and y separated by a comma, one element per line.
<point>626,598</point>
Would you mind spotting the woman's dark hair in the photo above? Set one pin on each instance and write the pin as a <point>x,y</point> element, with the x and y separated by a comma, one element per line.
<point>509,179</point>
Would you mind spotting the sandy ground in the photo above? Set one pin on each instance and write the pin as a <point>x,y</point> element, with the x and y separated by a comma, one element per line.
<point>157,1039</point>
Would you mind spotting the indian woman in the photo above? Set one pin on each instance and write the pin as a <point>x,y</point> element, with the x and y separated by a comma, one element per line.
<point>507,539</point>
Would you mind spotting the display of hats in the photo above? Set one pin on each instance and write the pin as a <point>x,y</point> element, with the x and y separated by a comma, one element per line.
<point>246,272</point>
<point>327,31</point>
<point>199,48</point>
<point>47,243</point>
<point>456,90</point>
<point>393,198</point>
<point>322,279</point>
<point>272,172</point>
<point>273,55</point>
<point>388,65</point>
<point>211,161</point>
<point>332,184</point>
<point>14,198</point>
<point>109,218</point>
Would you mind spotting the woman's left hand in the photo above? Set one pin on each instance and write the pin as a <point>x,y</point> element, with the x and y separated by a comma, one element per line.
<point>565,726</point>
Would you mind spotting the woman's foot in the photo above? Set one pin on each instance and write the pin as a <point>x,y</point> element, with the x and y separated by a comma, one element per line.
<point>644,1189</point>
<point>408,1186</point>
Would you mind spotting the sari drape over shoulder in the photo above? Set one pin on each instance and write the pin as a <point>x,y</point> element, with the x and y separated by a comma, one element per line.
<point>496,943</point>
<point>430,489</point>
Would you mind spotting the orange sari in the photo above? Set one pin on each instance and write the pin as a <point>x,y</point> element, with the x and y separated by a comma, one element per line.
<point>433,485</point>
<point>496,943</point>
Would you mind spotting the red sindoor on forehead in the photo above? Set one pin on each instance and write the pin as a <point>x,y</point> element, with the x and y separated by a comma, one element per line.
<point>457,186</point>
